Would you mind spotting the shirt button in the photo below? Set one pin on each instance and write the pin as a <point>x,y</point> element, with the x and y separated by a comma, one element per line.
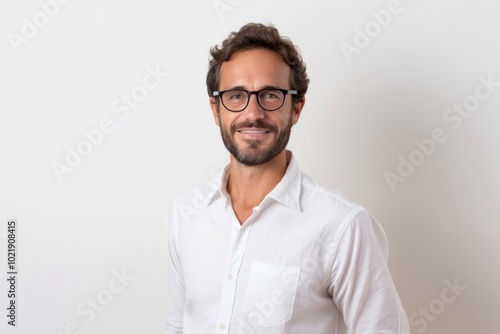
<point>230,277</point>
<point>222,326</point>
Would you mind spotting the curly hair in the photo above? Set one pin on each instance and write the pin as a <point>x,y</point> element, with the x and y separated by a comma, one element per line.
<point>258,36</point>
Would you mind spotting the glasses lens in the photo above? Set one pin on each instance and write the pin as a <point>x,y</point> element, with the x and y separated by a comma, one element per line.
<point>271,99</point>
<point>235,100</point>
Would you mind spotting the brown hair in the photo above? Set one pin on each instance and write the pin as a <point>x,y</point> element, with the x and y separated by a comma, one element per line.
<point>254,36</point>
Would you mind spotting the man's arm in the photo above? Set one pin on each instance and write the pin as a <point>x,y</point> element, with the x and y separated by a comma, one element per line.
<point>361,284</point>
<point>176,297</point>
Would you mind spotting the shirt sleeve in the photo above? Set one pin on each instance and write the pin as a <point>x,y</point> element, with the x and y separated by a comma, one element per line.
<point>176,297</point>
<point>360,282</point>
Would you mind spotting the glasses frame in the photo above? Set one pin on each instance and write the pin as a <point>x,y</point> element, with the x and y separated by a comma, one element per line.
<point>285,92</point>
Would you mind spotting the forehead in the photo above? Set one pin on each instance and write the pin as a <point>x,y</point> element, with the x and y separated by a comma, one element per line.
<point>255,69</point>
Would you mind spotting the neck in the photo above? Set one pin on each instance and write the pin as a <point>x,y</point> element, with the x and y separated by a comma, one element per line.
<point>249,185</point>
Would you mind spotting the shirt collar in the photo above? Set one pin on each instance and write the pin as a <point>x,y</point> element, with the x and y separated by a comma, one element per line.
<point>287,191</point>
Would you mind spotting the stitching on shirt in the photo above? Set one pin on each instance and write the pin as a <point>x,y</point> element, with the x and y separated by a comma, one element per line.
<point>348,221</point>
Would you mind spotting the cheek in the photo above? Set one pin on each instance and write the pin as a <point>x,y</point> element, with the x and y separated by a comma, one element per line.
<point>291,117</point>
<point>225,121</point>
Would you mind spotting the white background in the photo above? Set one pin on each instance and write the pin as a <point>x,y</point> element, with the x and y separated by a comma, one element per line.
<point>361,114</point>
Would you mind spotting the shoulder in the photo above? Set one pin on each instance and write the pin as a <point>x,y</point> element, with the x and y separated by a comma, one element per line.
<point>336,210</point>
<point>189,205</point>
<point>200,196</point>
<point>316,194</point>
<point>341,221</point>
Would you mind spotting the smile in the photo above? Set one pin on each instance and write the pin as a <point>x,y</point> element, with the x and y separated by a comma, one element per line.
<point>253,131</point>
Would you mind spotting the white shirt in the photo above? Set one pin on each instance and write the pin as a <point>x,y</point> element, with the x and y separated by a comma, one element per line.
<point>307,261</point>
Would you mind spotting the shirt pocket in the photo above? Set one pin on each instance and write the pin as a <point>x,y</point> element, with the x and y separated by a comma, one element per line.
<point>270,295</point>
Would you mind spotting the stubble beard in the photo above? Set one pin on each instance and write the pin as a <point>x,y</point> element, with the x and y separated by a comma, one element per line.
<point>252,154</point>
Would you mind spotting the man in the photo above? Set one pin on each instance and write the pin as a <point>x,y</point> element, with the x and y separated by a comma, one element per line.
<point>265,248</point>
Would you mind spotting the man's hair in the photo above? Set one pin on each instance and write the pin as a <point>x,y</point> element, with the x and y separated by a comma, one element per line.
<point>258,36</point>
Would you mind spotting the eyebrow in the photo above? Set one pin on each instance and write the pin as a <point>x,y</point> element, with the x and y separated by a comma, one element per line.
<point>243,88</point>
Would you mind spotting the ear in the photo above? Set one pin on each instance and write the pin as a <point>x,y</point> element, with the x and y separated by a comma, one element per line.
<point>297,109</point>
<point>214,106</point>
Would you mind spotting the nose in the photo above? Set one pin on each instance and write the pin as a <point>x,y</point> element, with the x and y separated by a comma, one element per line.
<point>253,109</point>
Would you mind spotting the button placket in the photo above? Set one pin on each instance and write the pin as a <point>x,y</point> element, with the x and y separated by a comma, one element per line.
<point>237,243</point>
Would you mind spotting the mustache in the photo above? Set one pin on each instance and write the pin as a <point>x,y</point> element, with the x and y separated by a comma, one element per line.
<point>254,124</point>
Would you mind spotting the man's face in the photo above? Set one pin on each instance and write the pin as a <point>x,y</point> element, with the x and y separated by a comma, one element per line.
<point>255,136</point>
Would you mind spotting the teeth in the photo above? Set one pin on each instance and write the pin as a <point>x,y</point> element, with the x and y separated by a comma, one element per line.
<point>249,131</point>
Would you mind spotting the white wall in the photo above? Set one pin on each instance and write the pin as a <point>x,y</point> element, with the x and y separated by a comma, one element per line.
<point>363,111</point>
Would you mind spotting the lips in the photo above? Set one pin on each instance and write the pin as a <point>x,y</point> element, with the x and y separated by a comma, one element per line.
<point>255,127</point>
<point>254,131</point>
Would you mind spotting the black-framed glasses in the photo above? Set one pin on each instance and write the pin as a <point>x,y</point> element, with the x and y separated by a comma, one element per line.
<point>269,99</point>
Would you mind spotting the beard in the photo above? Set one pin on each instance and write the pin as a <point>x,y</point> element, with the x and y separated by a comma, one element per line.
<point>253,155</point>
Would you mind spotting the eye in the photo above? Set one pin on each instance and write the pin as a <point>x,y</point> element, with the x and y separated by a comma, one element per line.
<point>271,95</point>
<point>235,95</point>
